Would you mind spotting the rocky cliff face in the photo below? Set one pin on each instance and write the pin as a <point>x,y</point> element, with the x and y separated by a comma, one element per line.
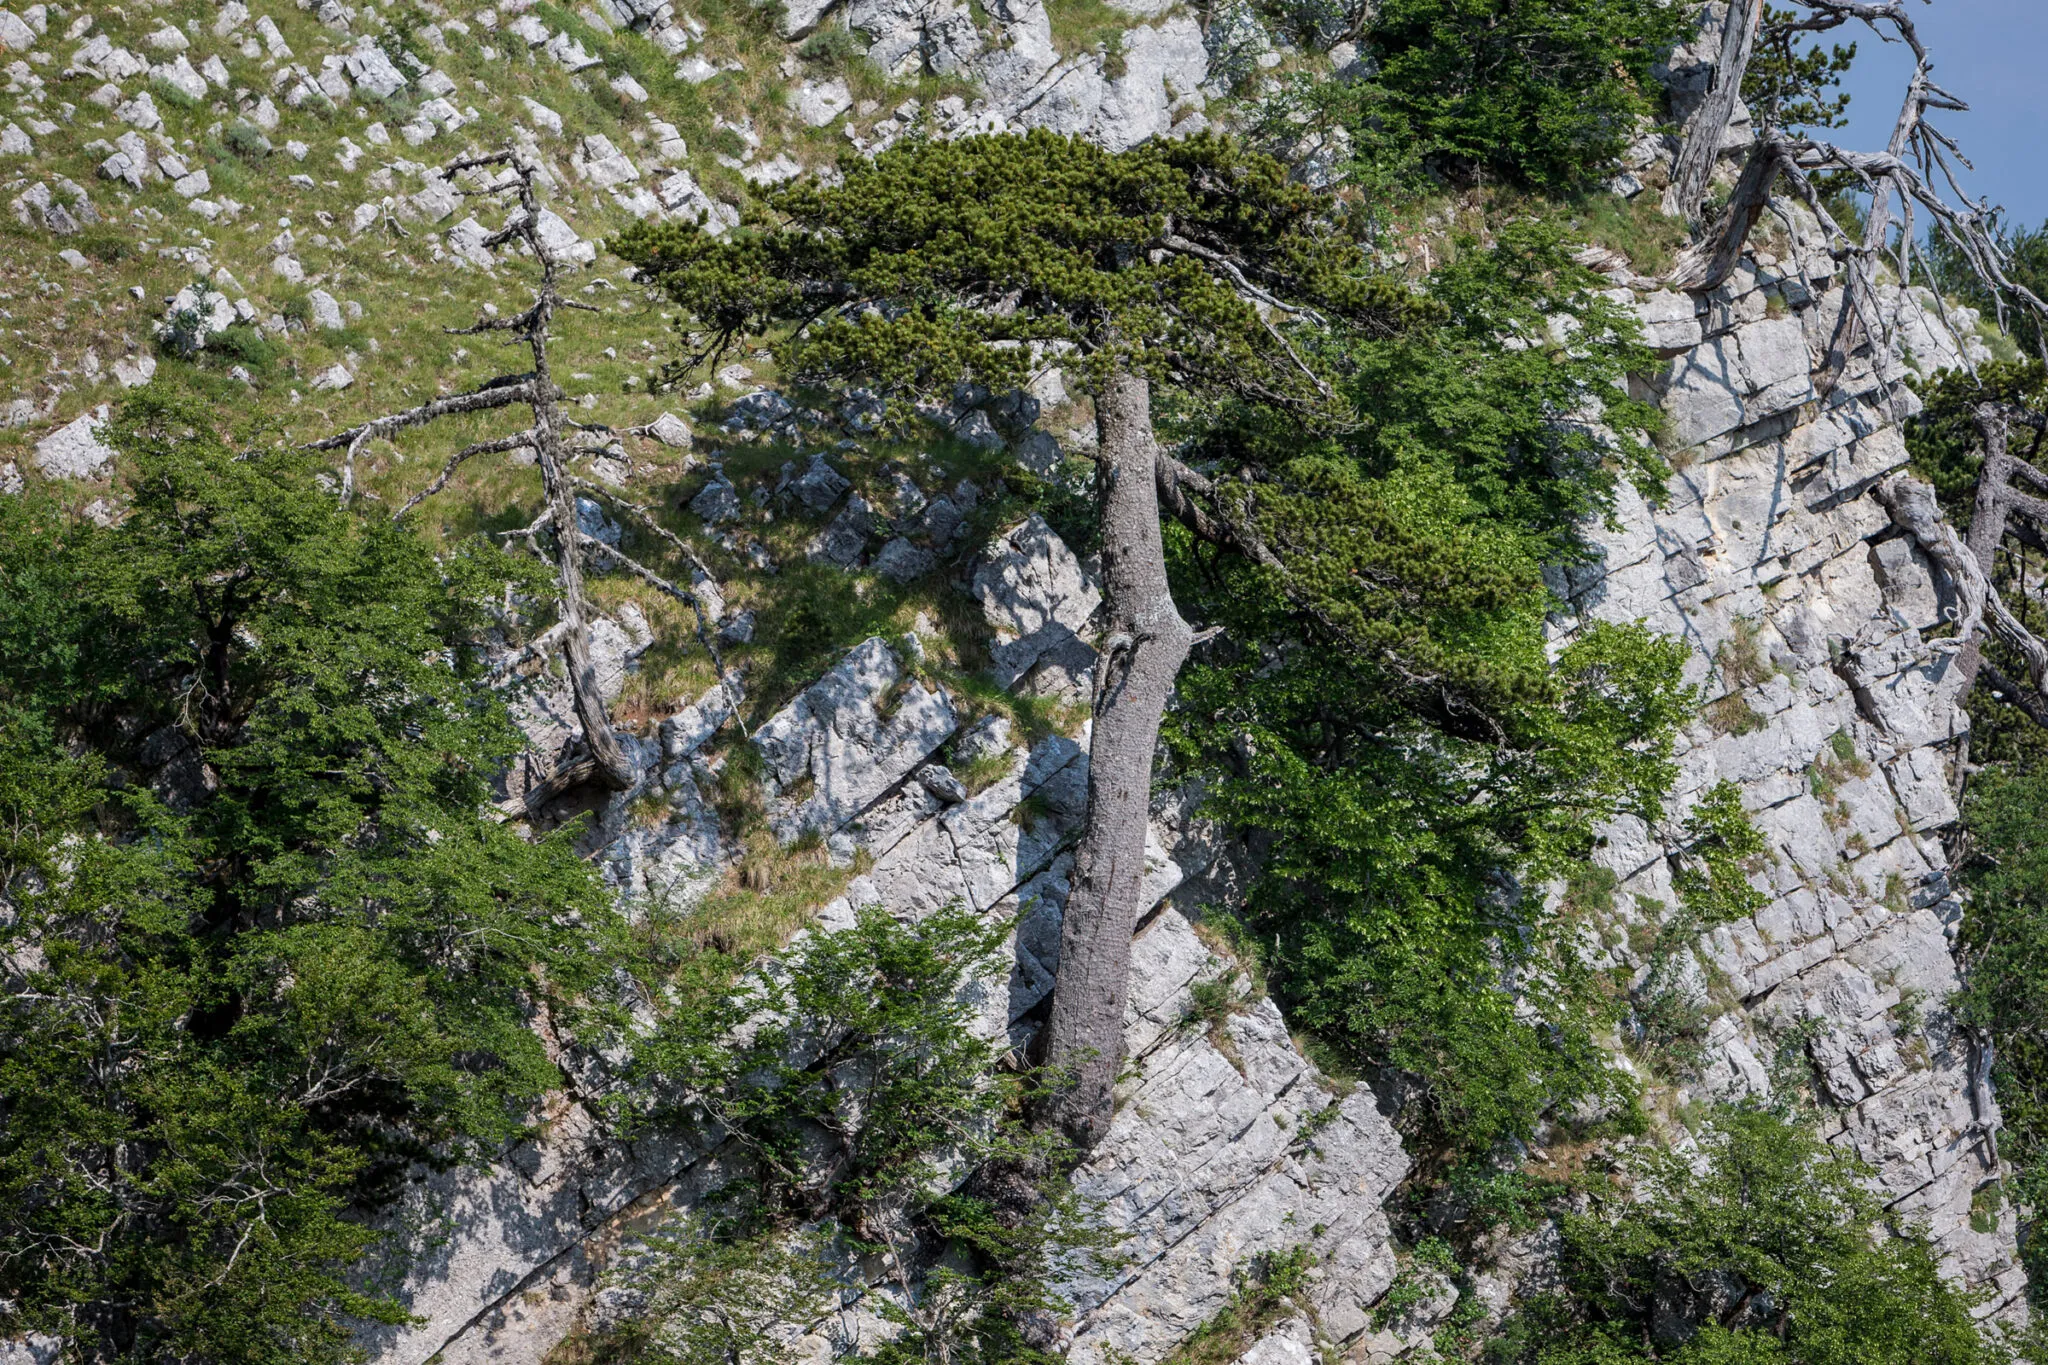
<point>1833,708</point>
<point>1226,1145</point>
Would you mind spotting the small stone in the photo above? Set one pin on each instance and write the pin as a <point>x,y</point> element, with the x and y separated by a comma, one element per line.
<point>14,142</point>
<point>15,34</point>
<point>336,377</point>
<point>976,430</point>
<point>901,562</point>
<point>938,779</point>
<point>739,630</point>
<point>180,76</point>
<point>192,186</point>
<point>718,502</point>
<point>671,431</point>
<point>326,311</point>
<point>545,117</point>
<point>133,371</point>
<point>817,104</point>
<point>820,486</point>
<point>72,257</point>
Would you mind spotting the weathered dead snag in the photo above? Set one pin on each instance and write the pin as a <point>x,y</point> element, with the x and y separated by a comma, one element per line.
<point>601,760</point>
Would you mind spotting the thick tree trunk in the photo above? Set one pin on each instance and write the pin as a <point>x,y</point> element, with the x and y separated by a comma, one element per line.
<point>1707,264</point>
<point>1693,171</point>
<point>1142,653</point>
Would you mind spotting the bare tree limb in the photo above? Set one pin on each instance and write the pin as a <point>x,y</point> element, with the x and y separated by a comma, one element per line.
<point>604,761</point>
<point>646,519</point>
<point>503,443</point>
<point>1701,146</point>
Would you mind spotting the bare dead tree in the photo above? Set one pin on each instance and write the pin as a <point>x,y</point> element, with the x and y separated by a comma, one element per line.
<point>1700,147</point>
<point>1916,174</point>
<point>1913,181</point>
<point>601,759</point>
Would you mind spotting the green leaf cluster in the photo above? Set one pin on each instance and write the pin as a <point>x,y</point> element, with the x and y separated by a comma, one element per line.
<point>1540,95</point>
<point>876,1120</point>
<point>1385,713</point>
<point>938,264</point>
<point>1721,848</point>
<point>1763,1244</point>
<point>2005,959</point>
<point>1790,77</point>
<point>265,953</point>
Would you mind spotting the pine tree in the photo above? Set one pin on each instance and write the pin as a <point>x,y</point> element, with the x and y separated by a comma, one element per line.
<point>1196,265</point>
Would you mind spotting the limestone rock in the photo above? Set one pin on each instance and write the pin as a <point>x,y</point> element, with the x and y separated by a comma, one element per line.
<point>75,451</point>
<point>1034,594</point>
<point>671,431</point>
<point>845,540</point>
<point>836,736</point>
<point>817,103</point>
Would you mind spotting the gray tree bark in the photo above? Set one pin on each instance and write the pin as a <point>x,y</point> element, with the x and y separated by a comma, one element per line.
<point>1147,642</point>
<point>1694,168</point>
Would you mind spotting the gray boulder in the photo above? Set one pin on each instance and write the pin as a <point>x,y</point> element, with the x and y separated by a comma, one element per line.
<point>900,561</point>
<point>1034,594</point>
<point>718,502</point>
<point>75,451</point>
<point>819,486</point>
<point>846,539</point>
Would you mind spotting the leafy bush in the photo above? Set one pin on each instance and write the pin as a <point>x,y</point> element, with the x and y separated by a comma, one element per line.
<point>2005,956</point>
<point>1407,817</point>
<point>267,952</point>
<point>1546,95</point>
<point>872,1118</point>
<point>1764,1245</point>
<point>246,141</point>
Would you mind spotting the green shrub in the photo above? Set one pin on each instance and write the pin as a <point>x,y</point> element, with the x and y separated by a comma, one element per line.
<point>268,952</point>
<point>246,141</point>
<point>1545,95</point>
<point>106,243</point>
<point>1764,1245</point>
<point>2005,959</point>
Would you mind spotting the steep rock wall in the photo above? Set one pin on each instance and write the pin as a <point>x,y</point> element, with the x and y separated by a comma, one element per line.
<point>1833,709</point>
<point>1226,1143</point>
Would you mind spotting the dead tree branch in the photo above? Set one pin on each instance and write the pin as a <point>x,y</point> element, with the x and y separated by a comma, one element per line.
<point>1701,146</point>
<point>602,759</point>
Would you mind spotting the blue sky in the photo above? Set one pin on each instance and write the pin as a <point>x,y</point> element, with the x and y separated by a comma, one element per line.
<point>1994,55</point>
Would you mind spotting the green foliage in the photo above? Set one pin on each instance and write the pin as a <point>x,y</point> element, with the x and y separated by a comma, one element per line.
<point>1721,848</point>
<point>1543,95</point>
<point>876,1115</point>
<point>2027,249</point>
<point>1485,395</point>
<point>1397,932</point>
<point>833,48</point>
<point>1943,440</point>
<point>1401,732</point>
<point>2005,953</point>
<point>269,952</point>
<point>1763,1245</point>
<point>883,278</point>
<point>1790,75</point>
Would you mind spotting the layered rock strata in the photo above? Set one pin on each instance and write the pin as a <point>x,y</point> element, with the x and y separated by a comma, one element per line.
<point>1815,629</point>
